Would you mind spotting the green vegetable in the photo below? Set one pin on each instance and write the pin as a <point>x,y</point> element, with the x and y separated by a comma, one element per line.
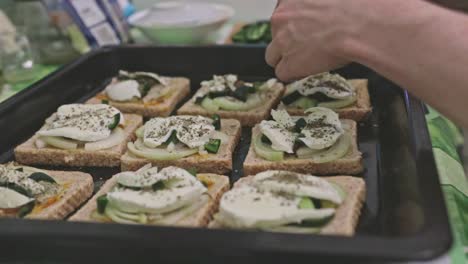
<point>216,121</point>
<point>145,84</point>
<point>258,32</point>
<point>315,222</point>
<point>338,150</point>
<point>266,140</point>
<point>104,101</point>
<point>306,203</point>
<point>115,122</point>
<point>125,218</point>
<point>252,101</point>
<point>158,186</point>
<point>140,132</point>
<point>265,151</point>
<point>26,209</point>
<point>213,145</point>
<point>172,138</point>
<point>242,92</point>
<point>59,142</point>
<point>15,187</point>
<point>20,169</point>
<point>336,104</point>
<point>102,202</point>
<point>215,94</point>
<point>290,98</point>
<point>200,99</point>
<point>300,124</point>
<point>39,176</point>
<point>192,171</point>
<point>209,105</point>
<point>304,102</point>
<point>160,154</point>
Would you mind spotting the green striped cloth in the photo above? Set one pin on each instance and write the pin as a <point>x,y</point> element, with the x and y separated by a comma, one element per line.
<point>446,138</point>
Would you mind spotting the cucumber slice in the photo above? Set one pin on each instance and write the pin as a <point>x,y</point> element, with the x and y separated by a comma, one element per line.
<point>116,217</point>
<point>224,103</point>
<point>181,213</point>
<point>338,150</point>
<point>59,142</point>
<point>40,176</point>
<point>266,151</point>
<point>140,132</point>
<point>328,204</point>
<point>216,121</point>
<point>209,104</point>
<point>305,102</point>
<point>290,98</point>
<point>99,217</point>
<point>293,229</point>
<point>159,154</point>
<point>306,203</point>
<point>336,104</point>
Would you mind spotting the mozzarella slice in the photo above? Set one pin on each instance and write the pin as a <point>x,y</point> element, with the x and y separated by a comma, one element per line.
<point>323,128</point>
<point>132,179</point>
<point>194,131</point>
<point>283,118</point>
<point>88,123</point>
<point>123,90</point>
<point>10,199</point>
<point>332,85</point>
<point>281,138</point>
<point>248,207</point>
<point>297,184</point>
<point>157,131</point>
<point>181,189</point>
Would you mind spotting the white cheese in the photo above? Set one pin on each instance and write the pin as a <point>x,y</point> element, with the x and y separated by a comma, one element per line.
<point>180,189</point>
<point>297,184</point>
<point>10,199</point>
<point>162,80</point>
<point>123,90</point>
<point>220,83</point>
<point>248,207</point>
<point>281,138</point>
<point>10,175</point>
<point>81,122</point>
<point>323,128</point>
<point>331,85</point>
<point>193,131</point>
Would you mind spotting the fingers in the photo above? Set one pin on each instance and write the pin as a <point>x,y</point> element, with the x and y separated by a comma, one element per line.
<point>273,54</point>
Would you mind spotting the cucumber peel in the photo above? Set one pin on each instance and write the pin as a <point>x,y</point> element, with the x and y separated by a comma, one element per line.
<point>305,102</point>
<point>336,104</point>
<point>209,104</point>
<point>252,101</point>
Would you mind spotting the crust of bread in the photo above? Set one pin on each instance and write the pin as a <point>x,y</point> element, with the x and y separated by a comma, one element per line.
<point>247,118</point>
<point>79,189</point>
<point>346,216</point>
<point>180,89</point>
<point>199,219</point>
<point>358,111</point>
<point>28,153</point>
<point>209,163</point>
<point>351,163</point>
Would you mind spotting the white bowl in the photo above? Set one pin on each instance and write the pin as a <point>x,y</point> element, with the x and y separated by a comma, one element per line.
<point>181,22</point>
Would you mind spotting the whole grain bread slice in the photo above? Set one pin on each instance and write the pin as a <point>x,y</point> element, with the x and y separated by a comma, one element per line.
<point>77,188</point>
<point>219,185</point>
<point>351,163</point>
<point>180,88</point>
<point>28,153</point>
<point>220,162</point>
<point>357,111</point>
<point>347,214</point>
<point>247,118</point>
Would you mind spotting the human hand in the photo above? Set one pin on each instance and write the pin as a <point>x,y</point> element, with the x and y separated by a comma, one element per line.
<point>311,36</point>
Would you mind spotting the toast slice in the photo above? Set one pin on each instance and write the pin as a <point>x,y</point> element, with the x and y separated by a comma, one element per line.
<point>28,153</point>
<point>219,185</point>
<point>180,88</point>
<point>351,163</point>
<point>77,188</point>
<point>220,162</point>
<point>358,111</point>
<point>346,216</point>
<point>247,118</point>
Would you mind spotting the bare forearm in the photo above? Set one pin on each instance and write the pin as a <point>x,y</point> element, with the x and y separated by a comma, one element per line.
<point>420,46</point>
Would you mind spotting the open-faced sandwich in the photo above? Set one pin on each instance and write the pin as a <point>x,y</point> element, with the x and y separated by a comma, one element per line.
<point>184,141</point>
<point>144,93</point>
<point>230,97</point>
<point>283,201</point>
<point>171,196</point>
<point>81,135</point>
<point>349,98</point>
<point>32,193</point>
<point>319,143</point>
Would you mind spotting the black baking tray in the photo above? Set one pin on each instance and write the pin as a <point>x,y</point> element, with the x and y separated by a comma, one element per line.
<point>404,216</point>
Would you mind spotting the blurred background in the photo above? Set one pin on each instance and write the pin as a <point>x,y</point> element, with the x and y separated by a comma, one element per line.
<point>39,36</point>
